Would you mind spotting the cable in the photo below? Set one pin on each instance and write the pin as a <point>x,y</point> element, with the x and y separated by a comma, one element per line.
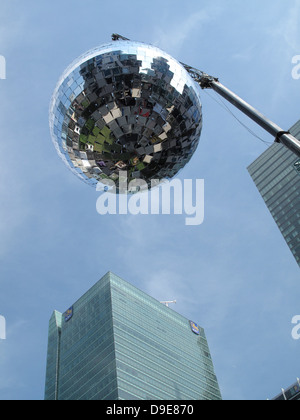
<point>224,105</point>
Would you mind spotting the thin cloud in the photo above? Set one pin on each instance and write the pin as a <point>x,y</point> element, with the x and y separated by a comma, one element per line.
<point>284,39</point>
<point>288,29</point>
<point>174,34</point>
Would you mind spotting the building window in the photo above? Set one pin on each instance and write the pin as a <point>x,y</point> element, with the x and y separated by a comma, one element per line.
<point>297,166</point>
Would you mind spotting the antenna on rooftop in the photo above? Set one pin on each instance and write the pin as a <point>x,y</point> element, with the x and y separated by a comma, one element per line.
<point>167,302</point>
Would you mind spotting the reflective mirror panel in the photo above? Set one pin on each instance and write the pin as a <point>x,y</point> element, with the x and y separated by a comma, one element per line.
<point>126,106</point>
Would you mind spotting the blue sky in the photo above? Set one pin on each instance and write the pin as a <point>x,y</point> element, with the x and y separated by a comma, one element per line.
<point>234,274</point>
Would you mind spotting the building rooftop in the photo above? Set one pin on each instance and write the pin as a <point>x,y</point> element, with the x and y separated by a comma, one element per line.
<point>290,394</point>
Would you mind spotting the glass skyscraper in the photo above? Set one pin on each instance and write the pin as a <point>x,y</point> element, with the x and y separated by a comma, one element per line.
<point>276,174</point>
<point>118,343</point>
<point>290,394</point>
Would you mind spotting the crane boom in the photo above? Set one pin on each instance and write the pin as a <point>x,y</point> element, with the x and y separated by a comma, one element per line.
<point>209,82</point>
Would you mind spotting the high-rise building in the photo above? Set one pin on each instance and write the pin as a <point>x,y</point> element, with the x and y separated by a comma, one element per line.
<point>290,394</point>
<point>118,343</point>
<point>276,174</point>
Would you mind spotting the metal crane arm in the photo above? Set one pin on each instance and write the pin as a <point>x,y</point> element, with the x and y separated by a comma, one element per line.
<point>209,82</point>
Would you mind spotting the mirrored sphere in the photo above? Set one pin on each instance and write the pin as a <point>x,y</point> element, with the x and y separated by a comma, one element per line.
<point>126,108</point>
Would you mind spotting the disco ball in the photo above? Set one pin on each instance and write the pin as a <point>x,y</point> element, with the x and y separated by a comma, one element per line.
<point>126,107</point>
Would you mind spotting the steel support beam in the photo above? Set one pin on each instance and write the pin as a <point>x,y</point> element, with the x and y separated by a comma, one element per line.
<point>281,136</point>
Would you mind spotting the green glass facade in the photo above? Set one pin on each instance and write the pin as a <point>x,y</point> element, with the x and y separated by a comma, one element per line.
<point>276,174</point>
<point>118,343</point>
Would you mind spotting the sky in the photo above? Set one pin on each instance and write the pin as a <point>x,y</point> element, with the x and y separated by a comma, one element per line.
<point>234,274</point>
